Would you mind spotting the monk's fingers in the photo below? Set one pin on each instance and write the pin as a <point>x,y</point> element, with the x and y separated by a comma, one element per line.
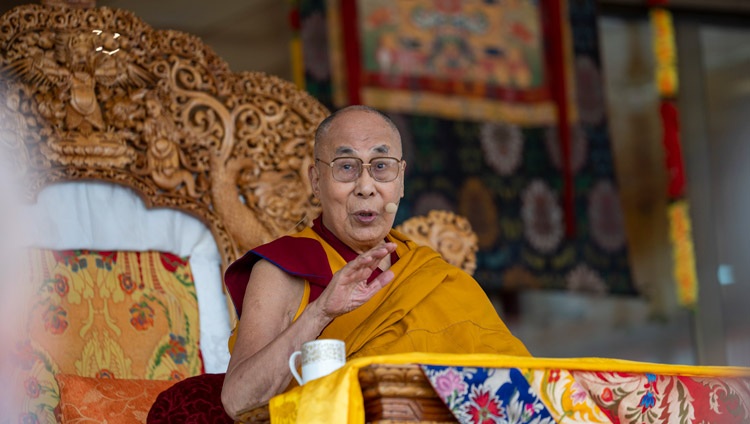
<point>374,286</point>
<point>377,253</point>
<point>358,270</point>
<point>364,292</point>
<point>371,258</point>
<point>381,280</point>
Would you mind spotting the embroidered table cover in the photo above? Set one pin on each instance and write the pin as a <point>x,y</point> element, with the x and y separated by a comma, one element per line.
<point>485,388</point>
<point>524,395</point>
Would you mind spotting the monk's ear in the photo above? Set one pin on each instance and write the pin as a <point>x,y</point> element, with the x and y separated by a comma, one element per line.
<point>312,174</point>
<point>403,178</point>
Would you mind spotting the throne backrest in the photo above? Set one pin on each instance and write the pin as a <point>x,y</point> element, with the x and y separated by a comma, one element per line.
<point>96,94</point>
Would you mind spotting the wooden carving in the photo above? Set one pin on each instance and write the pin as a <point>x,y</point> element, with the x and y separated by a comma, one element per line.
<point>400,393</point>
<point>96,94</point>
<point>450,234</point>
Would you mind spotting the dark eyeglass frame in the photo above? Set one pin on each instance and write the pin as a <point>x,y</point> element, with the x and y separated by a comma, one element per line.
<point>362,165</point>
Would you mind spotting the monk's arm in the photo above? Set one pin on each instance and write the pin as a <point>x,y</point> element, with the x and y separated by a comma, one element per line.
<point>258,368</point>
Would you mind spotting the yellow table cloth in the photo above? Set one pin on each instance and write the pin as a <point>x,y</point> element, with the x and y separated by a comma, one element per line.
<point>337,398</point>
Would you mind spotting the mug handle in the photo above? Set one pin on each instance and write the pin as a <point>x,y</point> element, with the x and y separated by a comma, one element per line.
<point>293,366</point>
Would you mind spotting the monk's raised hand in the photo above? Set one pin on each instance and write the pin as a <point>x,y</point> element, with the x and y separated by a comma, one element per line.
<point>349,288</point>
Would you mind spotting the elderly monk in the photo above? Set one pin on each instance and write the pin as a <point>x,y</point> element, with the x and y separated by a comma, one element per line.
<point>351,276</point>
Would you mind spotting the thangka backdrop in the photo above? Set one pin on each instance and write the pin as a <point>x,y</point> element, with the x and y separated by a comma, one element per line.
<point>547,212</point>
<point>483,60</point>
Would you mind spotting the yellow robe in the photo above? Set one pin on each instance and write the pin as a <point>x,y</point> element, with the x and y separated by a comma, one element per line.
<point>430,306</point>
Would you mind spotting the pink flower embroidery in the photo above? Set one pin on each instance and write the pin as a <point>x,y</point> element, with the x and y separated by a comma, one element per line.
<point>579,394</point>
<point>449,383</point>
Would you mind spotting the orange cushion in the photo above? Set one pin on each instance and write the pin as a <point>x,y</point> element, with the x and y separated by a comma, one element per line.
<point>123,315</point>
<point>107,400</point>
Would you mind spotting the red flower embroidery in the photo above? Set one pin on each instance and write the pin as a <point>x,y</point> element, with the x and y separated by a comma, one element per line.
<point>61,285</point>
<point>171,262</point>
<point>55,320</point>
<point>141,316</point>
<point>554,376</point>
<point>484,409</point>
<point>607,395</point>
<point>126,283</point>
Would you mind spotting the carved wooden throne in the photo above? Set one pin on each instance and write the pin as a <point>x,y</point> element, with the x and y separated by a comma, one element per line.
<point>95,94</point>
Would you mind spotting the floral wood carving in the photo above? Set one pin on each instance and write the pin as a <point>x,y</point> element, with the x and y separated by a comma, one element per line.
<point>96,94</point>
<point>450,234</point>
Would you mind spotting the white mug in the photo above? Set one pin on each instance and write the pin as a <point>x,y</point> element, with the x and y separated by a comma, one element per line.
<point>319,358</point>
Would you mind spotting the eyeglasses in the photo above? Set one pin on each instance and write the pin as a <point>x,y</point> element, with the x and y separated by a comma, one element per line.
<point>347,169</point>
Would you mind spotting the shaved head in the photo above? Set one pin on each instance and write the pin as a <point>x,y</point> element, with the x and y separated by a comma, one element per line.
<point>324,126</point>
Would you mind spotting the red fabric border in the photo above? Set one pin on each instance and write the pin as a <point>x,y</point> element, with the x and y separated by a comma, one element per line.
<point>559,86</point>
<point>672,149</point>
<point>351,49</point>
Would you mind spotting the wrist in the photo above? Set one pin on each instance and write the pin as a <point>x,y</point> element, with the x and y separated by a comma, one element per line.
<point>318,315</point>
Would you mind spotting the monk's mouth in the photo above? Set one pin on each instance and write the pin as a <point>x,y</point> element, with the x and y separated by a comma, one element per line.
<point>365,216</point>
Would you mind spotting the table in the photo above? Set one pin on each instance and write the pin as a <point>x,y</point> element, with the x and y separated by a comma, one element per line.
<point>435,388</point>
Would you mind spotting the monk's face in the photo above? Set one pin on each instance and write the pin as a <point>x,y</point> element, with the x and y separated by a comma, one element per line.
<point>355,211</point>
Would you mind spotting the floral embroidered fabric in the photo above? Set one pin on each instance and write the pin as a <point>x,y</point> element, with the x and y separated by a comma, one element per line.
<point>121,315</point>
<point>515,395</point>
